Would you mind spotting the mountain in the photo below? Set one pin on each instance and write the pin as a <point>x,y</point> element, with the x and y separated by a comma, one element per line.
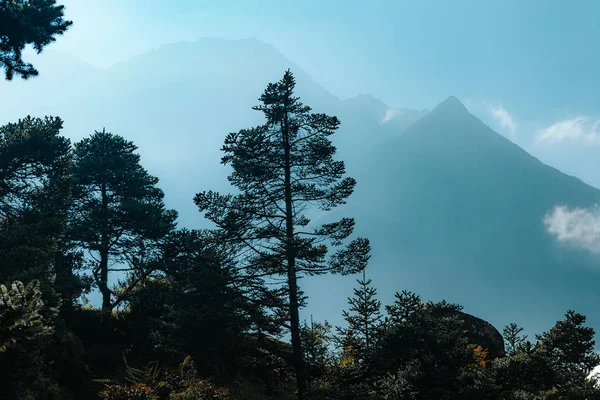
<point>370,123</point>
<point>177,103</point>
<point>454,210</point>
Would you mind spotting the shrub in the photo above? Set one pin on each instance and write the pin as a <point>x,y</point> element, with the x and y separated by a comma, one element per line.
<point>133,392</point>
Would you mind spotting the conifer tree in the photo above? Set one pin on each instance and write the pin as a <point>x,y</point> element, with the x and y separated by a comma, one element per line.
<point>316,342</point>
<point>27,22</point>
<point>513,337</point>
<point>35,187</point>
<point>569,349</point>
<point>284,169</point>
<point>118,215</point>
<point>405,307</point>
<point>364,317</point>
<point>20,313</point>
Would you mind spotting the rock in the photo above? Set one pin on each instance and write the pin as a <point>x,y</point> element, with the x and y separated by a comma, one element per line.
<point>484,334</point>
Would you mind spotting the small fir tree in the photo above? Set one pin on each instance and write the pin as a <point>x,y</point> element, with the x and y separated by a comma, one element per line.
<point>514,339</point>
<point>364,317</point>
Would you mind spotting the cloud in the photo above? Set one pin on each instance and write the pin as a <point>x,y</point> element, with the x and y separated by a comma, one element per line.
<point>576,226</point>
<point>390,114</point>
<point>582,129</point>
<point>495,110</point>
<point>504,118</point>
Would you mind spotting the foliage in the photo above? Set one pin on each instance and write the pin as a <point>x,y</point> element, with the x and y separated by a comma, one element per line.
<point>194,307</point>
<point>513,337</point>
<point>118,212</point>
<point>152,383</point>
<point>133,392</point>
<point>404,308</point>
<point>35,165</point>
<point>20,313</point>
<point>27,22</point>
<point>364,319</point>
<point>317,340</point>
<point>284,170</point>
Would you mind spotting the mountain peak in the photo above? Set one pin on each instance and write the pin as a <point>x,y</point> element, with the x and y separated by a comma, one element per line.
<point>451,104</point>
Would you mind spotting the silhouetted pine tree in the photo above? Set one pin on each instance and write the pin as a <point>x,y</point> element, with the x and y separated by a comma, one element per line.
<point>35,187</point>
<point>514,339</point>
<point>27,22</point>
<point>118,214</point>
<point>316,343</point>
<point>568,348</point>
<point>364,317</point>
<point>406,305</point>
<point>284,169</point>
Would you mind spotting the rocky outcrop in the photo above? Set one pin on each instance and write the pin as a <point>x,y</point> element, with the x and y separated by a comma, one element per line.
<point>484,334</point>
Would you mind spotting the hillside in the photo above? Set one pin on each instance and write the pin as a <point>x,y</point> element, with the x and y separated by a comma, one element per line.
<point>455,211</point>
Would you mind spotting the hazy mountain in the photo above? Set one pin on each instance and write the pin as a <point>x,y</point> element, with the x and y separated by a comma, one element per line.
<point>455,210</point>
<point>177,103</point>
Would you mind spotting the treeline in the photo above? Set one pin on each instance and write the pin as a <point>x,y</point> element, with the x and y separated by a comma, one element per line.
<point>199,314</point>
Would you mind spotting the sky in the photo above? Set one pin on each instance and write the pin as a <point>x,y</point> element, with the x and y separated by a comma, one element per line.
<point>535,56</point>
<point>527,68</point>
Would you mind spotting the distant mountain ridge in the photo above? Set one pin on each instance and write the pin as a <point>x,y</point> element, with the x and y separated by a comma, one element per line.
<point>177,103</point>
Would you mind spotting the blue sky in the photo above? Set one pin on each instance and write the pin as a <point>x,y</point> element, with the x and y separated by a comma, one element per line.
<point>530,69</point>
<point>535,56</point>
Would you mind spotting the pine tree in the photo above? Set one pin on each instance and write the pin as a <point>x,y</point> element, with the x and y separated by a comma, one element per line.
<point>35,188</point>
<point>27,22</point>
<point>316,343</point>
<point>20,313</point>
<point>284,169</point>
<point>569,348</point>
<point>405,307</point>
<point>119,214</point>
<point>194,306</point>
<point>364,317</point>
<point>513,337</point>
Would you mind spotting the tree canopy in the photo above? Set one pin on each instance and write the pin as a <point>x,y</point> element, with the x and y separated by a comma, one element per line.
<point>24,23</point>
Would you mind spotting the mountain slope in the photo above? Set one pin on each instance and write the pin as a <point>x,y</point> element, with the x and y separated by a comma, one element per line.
<point>455,211</point>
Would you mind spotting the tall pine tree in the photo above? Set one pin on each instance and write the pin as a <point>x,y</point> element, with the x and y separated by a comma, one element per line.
<point>284,169</point>
<point>118,215</point>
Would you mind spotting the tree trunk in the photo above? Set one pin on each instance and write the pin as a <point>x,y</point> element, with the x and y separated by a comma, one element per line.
<point>291,266</point>
<point>104,249</point>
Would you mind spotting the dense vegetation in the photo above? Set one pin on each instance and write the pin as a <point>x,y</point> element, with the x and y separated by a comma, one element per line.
<point>201,314</point>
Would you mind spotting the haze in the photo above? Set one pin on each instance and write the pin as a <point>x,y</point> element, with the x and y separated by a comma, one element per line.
<point>146,70</point>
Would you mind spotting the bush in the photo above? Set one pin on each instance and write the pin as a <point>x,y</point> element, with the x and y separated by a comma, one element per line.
<point>133,392</point>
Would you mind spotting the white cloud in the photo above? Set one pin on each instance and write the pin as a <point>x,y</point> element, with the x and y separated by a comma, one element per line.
<point>390,114</point>
<point>501,116</point>
<point>504,118</point>
<point>581,128</point>
<point>577,226</point>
